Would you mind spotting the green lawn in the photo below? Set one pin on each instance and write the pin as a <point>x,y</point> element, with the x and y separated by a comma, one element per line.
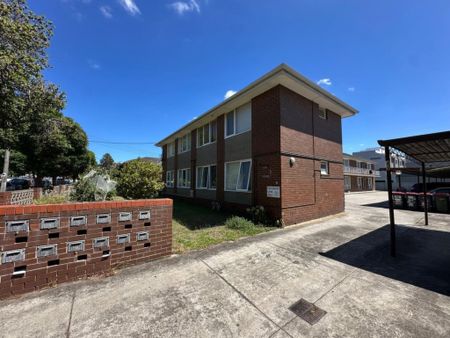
<point>196,227</point>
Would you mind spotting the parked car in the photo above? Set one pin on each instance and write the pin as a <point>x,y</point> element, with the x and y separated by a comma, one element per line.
<point>18,184</point>
<point>445,190</point>
<point>418,187</point>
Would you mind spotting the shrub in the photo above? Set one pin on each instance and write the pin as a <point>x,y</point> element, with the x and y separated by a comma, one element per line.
<point>94,186</point>
<point>51,199</point>
<point>258,215</point>
<point>139,179</point>
<point>239,223</point>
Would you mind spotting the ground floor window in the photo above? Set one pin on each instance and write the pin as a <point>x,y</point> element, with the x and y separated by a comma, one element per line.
<point>206,177</point>
<point>169,179</point>
<point>359,182</point>
<point>369,183</point>
<point>237,175</point>
<point>347,183</point>
<point>324,168</point>
<point>184,178</point>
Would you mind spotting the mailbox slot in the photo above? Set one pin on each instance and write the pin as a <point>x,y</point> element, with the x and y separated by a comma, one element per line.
<point>125,216</point>
<point>76,221</point>
<point>75,246</point>
<point>142,236</point>
<point>13,256</point>
<point>46,250</point>
<point>49,223</point>
<point>16,226</point>
<point>101,242</point>
<point>122,239</point>
<point>144,214</point>
<point>103,218</point>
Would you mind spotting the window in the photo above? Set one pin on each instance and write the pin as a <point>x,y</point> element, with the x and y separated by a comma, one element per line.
<point>347,183</point>
<point>206,177</point>
<point>184,143</point>
<point>184,178</point>
<point>237,175</point>
<point>359,182</point>
<point>171,149</point>
<point>323,114</point>
<point>169,179</point>
<point>324,168</point>
<point>207,134</point>
<point>346,163</point>
<point>369,183</point>
<point>239,120</point>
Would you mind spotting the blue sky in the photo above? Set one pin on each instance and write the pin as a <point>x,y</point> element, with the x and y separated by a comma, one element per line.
<point>136,70</point>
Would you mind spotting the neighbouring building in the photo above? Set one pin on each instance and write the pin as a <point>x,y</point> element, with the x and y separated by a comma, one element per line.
<point>359,174</point>
<point>276,143</point>
<point>400,180</point>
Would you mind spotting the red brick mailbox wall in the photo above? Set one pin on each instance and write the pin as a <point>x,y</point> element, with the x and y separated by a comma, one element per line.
<point>44,245</point>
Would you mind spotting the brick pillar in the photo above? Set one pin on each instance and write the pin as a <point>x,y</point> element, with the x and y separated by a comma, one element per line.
<point>220,158</point>
<point>193,161</point>
<point>175,167</point>
<point>164,162</point>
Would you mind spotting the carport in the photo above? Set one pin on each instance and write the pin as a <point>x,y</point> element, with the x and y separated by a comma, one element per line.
<point>430,149</point>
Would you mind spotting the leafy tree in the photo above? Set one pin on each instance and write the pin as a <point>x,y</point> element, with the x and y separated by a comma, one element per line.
<point>24,38</point>
<point>139,179</point>
<point>107,161</point>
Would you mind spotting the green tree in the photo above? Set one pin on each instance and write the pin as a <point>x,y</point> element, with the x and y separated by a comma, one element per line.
<point>139,179</point>
<point>24,38</point>
<point>107,162</point>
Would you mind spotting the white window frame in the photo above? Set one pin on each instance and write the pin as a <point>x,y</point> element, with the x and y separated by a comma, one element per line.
<point>187,139</point>
<point>359,182</point>
<point>323,113</point>
<point>210,128</point>
<point>234,122</point>
<point>327,171</point>
<point>208,179</point>
<point>239,173</point>
<point>170,153</point>
<point>349,185</point>
<point>170,182</point>
<point>188,186</point>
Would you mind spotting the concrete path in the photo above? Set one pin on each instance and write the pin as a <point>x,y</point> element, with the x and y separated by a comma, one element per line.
<point>245,288</point>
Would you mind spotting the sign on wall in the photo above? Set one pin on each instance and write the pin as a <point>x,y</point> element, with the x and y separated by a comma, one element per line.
<point>273,191</point>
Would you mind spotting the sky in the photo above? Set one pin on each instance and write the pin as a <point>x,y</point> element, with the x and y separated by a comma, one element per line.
<point>136,70</point>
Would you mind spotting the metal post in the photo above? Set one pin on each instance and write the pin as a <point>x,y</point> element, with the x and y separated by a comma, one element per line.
<point>387,157</point>
<point>425,201</point>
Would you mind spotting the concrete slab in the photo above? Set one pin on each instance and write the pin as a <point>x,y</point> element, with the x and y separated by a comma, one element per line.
<point>245,288</point>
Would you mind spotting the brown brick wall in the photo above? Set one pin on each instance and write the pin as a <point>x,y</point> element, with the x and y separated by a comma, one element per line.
<point>67,266</point>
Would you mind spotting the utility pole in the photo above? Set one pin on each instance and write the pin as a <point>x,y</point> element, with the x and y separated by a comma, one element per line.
<point>5,171</point>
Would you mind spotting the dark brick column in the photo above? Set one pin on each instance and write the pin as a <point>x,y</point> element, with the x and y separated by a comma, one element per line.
<point>193,161</point>
<point>220,158</point>
<point>164,162</point>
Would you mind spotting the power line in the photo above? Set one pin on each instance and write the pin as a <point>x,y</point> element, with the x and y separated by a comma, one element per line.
<point>116,142</point>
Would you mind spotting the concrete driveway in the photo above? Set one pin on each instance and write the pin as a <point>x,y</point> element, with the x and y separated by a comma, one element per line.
<point>245,288</point>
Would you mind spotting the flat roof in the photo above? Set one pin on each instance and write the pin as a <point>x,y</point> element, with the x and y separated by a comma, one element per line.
<point>427,148</point>
<point>281,75</point>
<point>361,159</point>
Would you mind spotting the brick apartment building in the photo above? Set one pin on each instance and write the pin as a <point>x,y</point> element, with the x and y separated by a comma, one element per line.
<point>359,174</point>
<point>276,143</point>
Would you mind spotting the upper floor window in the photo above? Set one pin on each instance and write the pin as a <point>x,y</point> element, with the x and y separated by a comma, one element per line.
<point>323,114</point>
<point>239,120</point>
<point>346,163</point>
<point>207,134</point>
<point>237,175</point>
<point>324,168</point>
<point>171,149</point>
<point>184,143</point>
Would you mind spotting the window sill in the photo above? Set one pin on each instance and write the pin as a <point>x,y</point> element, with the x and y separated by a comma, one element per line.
<point>243,191</point>
<point>206,144</point>
<point>243,132</point>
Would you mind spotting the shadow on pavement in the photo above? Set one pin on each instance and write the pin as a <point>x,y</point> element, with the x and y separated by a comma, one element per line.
<point>423,256</point>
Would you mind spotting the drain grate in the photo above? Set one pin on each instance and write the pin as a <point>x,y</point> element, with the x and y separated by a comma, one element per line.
<point>307,311</point>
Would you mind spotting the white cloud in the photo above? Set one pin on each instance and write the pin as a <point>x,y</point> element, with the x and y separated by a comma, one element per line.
<point>351,89</point>
<point>94,65</point>
<point>130,6</point>
<point>229,94</point>
<point>326,82</point>
<point>182,7</point>
<point>106,11</point>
